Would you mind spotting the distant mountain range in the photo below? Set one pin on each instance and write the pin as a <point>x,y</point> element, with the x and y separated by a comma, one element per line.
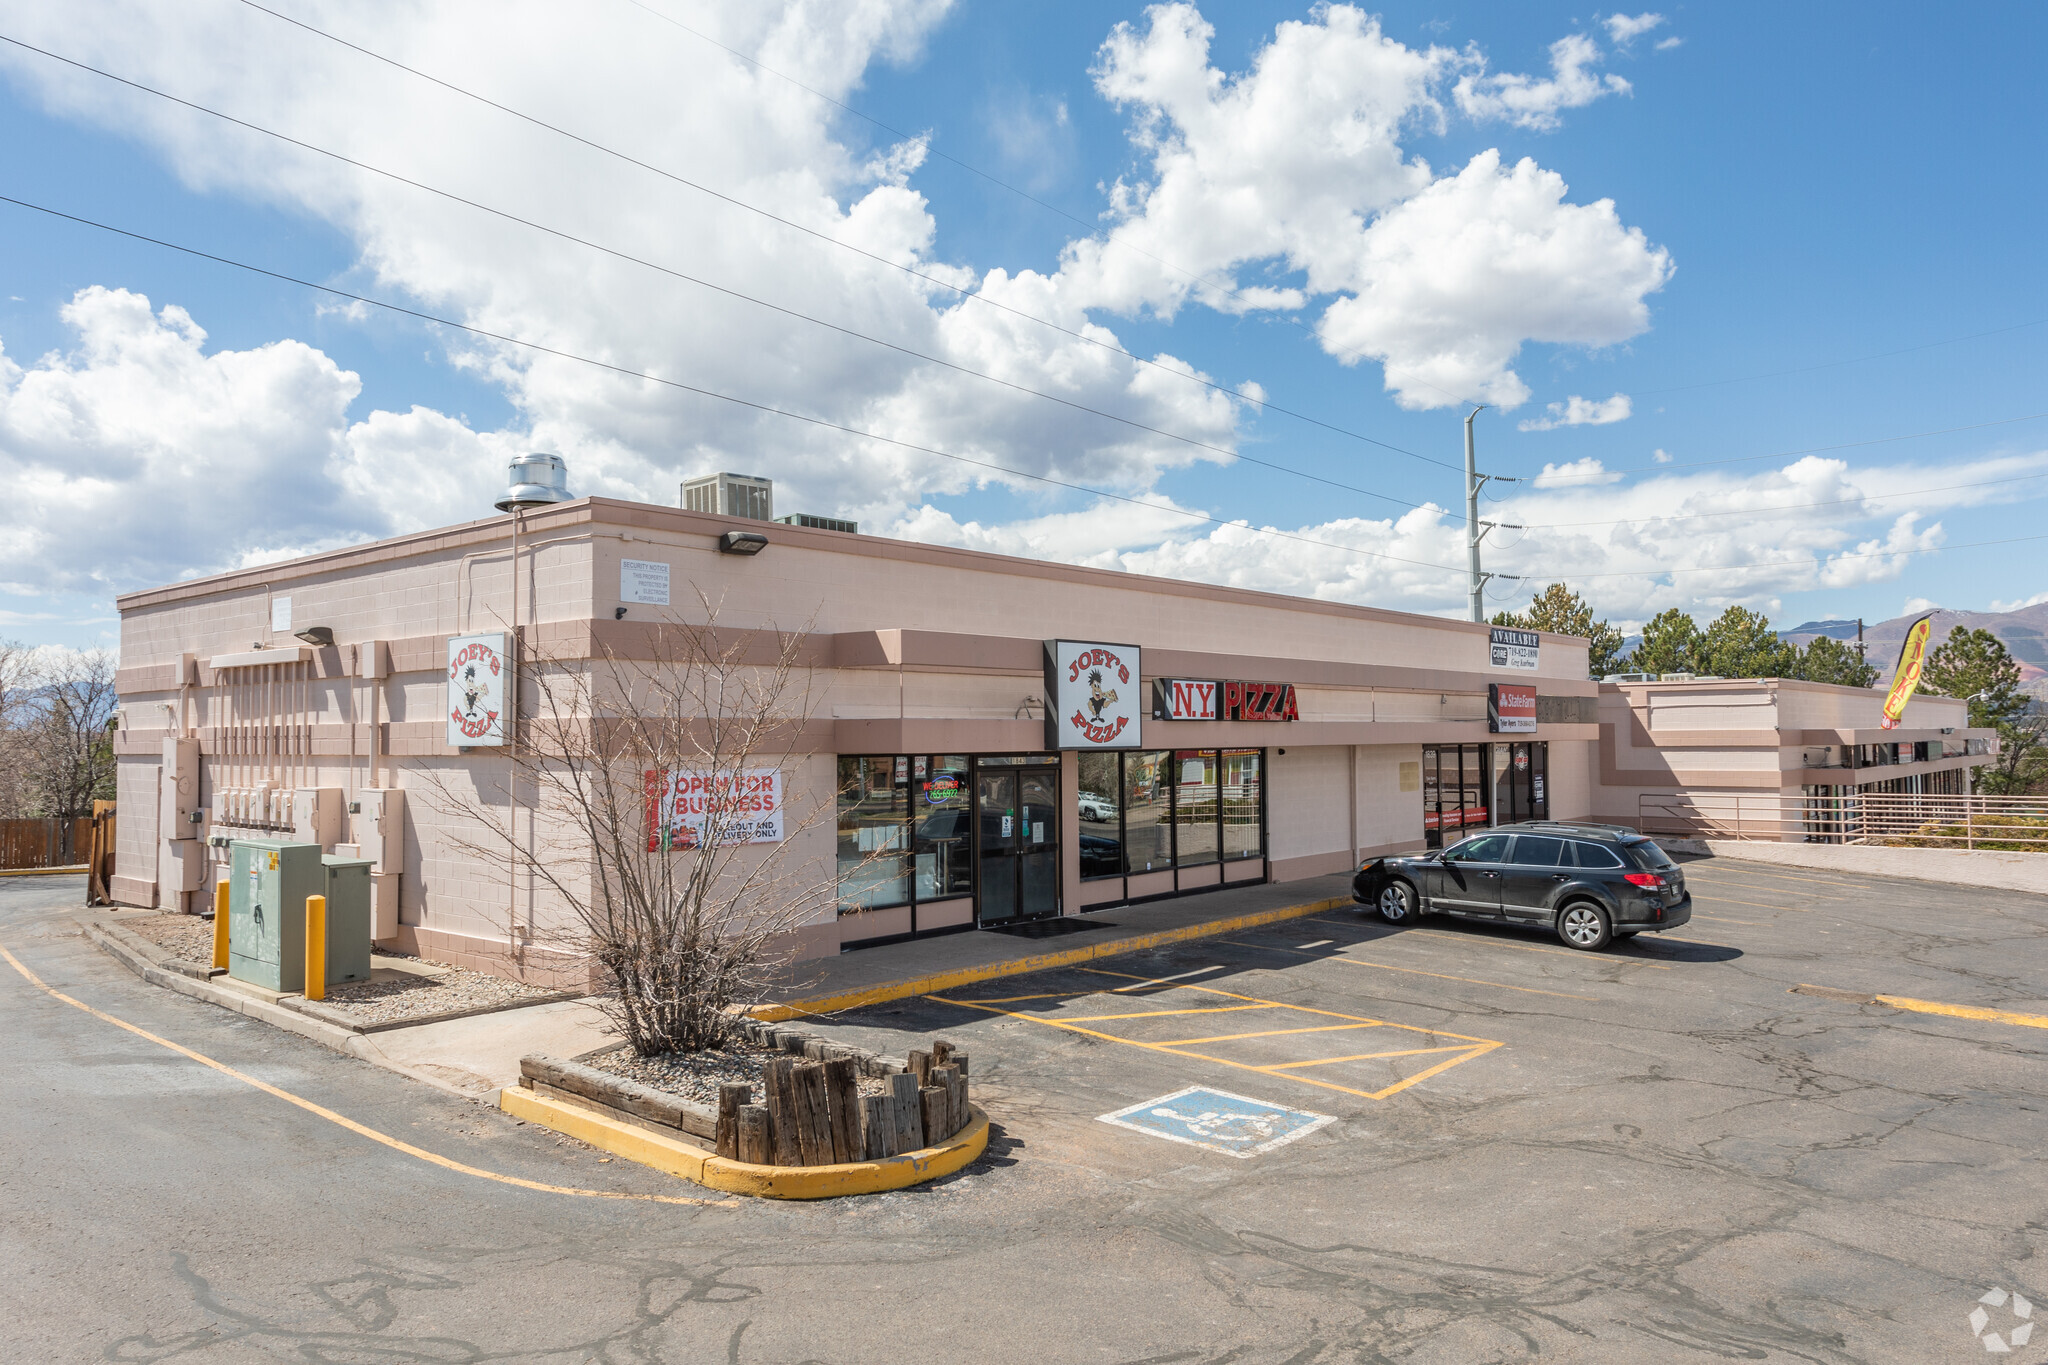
<point>2023,632</point>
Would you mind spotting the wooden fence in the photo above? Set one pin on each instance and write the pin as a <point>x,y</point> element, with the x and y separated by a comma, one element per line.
<point>44,843</point>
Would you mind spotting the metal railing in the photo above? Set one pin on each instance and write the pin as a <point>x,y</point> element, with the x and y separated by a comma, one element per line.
<point>1894,819</point>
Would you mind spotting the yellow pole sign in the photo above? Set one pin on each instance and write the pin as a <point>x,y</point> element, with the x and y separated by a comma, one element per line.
<point>316,947</point>
<point>220,925</point>
<point>1912,657</point>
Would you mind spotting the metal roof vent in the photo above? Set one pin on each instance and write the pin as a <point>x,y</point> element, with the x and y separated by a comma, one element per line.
<point>536,480</point>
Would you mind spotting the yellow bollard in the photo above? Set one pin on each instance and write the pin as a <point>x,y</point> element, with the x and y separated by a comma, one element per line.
<point>220,925</point>
<point>316,947</point>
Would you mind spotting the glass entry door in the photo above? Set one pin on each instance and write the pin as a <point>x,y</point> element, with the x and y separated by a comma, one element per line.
<point>1017,853</point>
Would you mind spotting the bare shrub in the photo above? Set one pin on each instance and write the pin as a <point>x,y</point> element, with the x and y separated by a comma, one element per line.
<point>681,927</point>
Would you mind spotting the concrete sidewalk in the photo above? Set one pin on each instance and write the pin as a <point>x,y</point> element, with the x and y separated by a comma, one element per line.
<point>868,976</point>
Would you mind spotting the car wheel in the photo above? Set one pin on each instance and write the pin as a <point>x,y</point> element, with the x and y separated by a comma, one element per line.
<point>1583,925</point>
<point>1397,903</point>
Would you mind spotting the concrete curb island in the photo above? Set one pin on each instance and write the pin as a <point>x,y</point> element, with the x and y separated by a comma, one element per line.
<point>1992,869</point>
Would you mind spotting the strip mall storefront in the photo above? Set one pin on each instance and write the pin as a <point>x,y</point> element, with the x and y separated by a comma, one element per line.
<point>1099,739</point>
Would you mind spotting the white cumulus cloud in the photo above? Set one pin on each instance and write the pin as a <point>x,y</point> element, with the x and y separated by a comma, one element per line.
<point>1624,29</point>
<point>1535,101</point>
<point>1580,412</point>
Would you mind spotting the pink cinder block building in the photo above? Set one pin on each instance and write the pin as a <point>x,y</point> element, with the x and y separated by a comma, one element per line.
<point>1199,737</point>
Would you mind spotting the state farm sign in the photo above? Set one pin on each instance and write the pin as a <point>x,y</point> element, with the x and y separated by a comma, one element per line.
<point>1510,709</point>
<point>1211,699</point>
<point>1092,695</point>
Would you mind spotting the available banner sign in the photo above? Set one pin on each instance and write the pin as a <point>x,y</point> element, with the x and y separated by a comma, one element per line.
<point>1515,648</point>
<point>681,800</point>
<point>1510,708</point>
<point>478,670</point>
<point>1093,695</point>
<point>1906,679</point>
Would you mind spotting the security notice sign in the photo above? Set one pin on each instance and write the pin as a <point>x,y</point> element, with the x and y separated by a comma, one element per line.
<point>478,671</point>
<point>643,580</point>
<point>1510,709</point>
<point>1093,695</point>
<point>681,804</point>
<point>1515,648</point>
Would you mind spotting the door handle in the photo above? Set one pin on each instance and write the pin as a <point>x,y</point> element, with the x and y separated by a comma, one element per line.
<point>1560,877</point>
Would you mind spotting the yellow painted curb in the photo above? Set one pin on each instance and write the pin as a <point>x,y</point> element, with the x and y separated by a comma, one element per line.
<point>44,871</point>
<point>989,971</point>
<point>741,1177</point>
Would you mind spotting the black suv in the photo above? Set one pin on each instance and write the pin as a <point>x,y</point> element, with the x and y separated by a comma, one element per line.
<point>1590,884</point>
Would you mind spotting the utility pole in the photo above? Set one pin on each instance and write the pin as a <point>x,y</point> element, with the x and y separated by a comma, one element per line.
<point>1475,529</point>
<point>1859,640</point>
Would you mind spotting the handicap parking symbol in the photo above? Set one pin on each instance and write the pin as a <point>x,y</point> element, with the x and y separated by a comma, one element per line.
<point>1233,1124</point>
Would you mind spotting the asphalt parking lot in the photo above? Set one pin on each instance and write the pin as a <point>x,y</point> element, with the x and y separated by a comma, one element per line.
<point>1447,1144</point>
<point>1658,1151</point>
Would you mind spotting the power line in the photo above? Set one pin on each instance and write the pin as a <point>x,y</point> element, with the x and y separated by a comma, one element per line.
<point>1570,480</point>
<point>1108,238</point>
<point>1783,507</point>
<point>1816,561</point>
<point>1837,364</point>
<point>821,422</point>
<point>938,282</point>
<point>698,281</point>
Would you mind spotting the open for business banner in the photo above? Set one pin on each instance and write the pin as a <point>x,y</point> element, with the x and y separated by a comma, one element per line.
<point>680,801</point>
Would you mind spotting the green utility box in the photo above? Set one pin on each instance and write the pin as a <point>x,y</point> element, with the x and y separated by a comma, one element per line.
<point>269,881</point>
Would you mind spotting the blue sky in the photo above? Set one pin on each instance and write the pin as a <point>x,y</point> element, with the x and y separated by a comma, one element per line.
<point>1842,199</point>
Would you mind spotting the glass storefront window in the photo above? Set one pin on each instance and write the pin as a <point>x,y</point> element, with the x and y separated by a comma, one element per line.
<point>1148,788</point>
<point>945,839</point>
<point>1101,812</point>
<point>1240,798</point>
<point>1194,807</point>
<point>874,853</point>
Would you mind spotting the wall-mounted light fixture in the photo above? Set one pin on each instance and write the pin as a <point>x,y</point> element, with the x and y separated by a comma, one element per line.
<point>618,613</point>
<point>320,637</point>
<point>742,542</point>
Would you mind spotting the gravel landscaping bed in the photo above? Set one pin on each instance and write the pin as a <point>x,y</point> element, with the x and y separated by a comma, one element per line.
<point>187,937</point>
<point>696,1076</point>
<point>411,997</point>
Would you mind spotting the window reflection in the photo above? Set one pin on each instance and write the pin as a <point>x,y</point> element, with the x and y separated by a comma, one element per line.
<point>1240,797</point>
<point>1148,838</point>
<point>874,858</point>
<point>945,851</point>
<point>1194,807</point>
<point>1100,806</point>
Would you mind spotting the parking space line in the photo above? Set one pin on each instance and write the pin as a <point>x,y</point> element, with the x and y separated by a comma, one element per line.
<point>1412,971</point>
<point>1263,1033</point>
<point>1907,1002</point>
<point>1156,1014</point>
<point>1359,1057</point>
<point>1465,1049</point>
<point>1723,919</point>
<point>1730,900</point>
<point>1523,947</point>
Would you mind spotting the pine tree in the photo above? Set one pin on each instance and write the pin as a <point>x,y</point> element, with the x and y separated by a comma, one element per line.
<point>1670,644</point>
<point>1563,612</point>
<point>1828,660</point>
<point>1741,644</point>
<point>1975,664</point>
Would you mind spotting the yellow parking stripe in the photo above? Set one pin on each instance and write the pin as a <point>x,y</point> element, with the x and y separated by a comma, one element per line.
<point>1412,971</point>
<point>1360,1057</point>
<point>361,1130</point>
<point>1263,1033</point>
<point>1154,1014</point>
<point>1901,1002</point>
<point>1524,947</point>
<point>1720,899</point>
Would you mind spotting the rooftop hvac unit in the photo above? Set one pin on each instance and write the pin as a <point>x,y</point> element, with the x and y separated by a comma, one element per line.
<point>851,528</point>
<point>1630,677</point>
<point>731,495</point>
<point>1677,677</point>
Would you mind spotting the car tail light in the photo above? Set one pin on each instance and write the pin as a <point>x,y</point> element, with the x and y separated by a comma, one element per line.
<point>1649,879</point>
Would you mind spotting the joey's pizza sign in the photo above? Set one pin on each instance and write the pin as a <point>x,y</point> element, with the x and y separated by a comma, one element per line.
<point>1093,695</point>
<point>478,670</point>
